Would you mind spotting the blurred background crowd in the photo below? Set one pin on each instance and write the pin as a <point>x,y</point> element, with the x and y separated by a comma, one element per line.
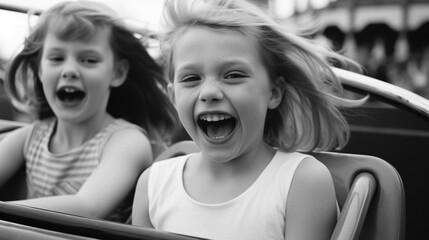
<point>390,38</point>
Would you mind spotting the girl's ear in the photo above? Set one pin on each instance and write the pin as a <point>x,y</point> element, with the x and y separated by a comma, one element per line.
<point>121,73</point>
<point>170,90</point>
<point>277,90</point>
<point>39,72</point>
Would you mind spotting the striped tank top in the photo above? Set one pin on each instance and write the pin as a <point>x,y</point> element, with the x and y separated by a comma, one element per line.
<point>51,174</point>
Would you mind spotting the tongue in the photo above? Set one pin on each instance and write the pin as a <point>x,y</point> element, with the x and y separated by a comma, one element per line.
<point>72,97</point>
<point>220,129</point>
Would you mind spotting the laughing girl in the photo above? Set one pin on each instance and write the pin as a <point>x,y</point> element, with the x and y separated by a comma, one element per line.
<point>100,107</point>
<point>254,96</point>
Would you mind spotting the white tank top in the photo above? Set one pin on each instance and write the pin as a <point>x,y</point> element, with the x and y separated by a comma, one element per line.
<point>257,213</point>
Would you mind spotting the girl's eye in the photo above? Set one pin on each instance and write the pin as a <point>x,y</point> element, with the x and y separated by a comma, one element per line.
<point>90,60</point>
<point>190,78</point>
<point>232,75</point>
<point>55,58</point>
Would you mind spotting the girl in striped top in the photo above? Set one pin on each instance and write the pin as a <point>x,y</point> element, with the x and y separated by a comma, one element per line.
<point>100,107</point>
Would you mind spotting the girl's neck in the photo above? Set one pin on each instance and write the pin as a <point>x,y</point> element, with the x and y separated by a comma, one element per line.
<point>251,161</point>
<point>70,135</point>
<point>214,182</point>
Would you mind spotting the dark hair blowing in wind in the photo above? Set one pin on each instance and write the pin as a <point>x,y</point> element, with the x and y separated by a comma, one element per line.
<point>141,99</point>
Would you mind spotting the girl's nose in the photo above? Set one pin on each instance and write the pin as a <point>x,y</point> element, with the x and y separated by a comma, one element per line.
<point>70,71</point>
<point>211,91</point>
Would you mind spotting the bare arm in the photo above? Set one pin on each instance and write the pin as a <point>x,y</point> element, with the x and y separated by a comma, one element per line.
<point>125,157</point>
<point>311,207</point>
<point>141,202</point>
<point>12,153</point>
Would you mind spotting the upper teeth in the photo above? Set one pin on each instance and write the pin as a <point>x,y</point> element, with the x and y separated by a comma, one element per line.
<point>69,89</point>
<point>214,117</point>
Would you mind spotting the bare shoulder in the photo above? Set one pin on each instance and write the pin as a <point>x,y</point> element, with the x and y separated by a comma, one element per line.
<point>140,214</point>
<point>144,177</point>
<point>143,180</point>
<point>15,139</point>
<point>130,143</point>
<point>12,152</point>
<point>20,133</point>
<point>129,135</point>
<point>311,202</point>
<point>313,179</point>
<point>312,172</point>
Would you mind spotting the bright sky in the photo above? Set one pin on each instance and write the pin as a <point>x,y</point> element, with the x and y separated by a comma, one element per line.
<point>285,8</point>
<point>14,27</point>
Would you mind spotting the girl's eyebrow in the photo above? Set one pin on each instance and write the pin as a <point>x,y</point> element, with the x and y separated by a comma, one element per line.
<point>54,48</point>
<point>89,51</point>
<point>241,64</point>
<point>223,63</point>
<point>186,66</point>
<point>237,61</point>
<point>82,51</point>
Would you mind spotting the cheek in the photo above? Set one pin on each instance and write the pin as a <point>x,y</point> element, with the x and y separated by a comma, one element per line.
<point>184,111</point>
<point>251,104</point>
<point>250,97</point>
<point>48,77</point>
<point>182,96</point>
<point>182,103</point>
<point>48,81</point>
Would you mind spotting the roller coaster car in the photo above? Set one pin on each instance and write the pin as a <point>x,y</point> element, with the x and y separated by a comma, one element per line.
<point>369,187</point>
<point>389,135</point>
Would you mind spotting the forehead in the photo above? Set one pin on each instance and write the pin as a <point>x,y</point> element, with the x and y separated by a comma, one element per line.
<point>100,39</point>
<point>198,43</point>
<point>73,27</point>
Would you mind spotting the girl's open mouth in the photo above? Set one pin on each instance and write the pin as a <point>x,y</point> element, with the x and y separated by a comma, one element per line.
<point>217,126</point>
<point>70,94</point>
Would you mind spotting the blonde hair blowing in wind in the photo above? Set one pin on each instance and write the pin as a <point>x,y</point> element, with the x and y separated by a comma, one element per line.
<point>309,116</point>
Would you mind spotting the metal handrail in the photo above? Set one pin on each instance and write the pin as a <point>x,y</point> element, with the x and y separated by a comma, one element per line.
<point>20,9</point>
<point>386,90</point>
